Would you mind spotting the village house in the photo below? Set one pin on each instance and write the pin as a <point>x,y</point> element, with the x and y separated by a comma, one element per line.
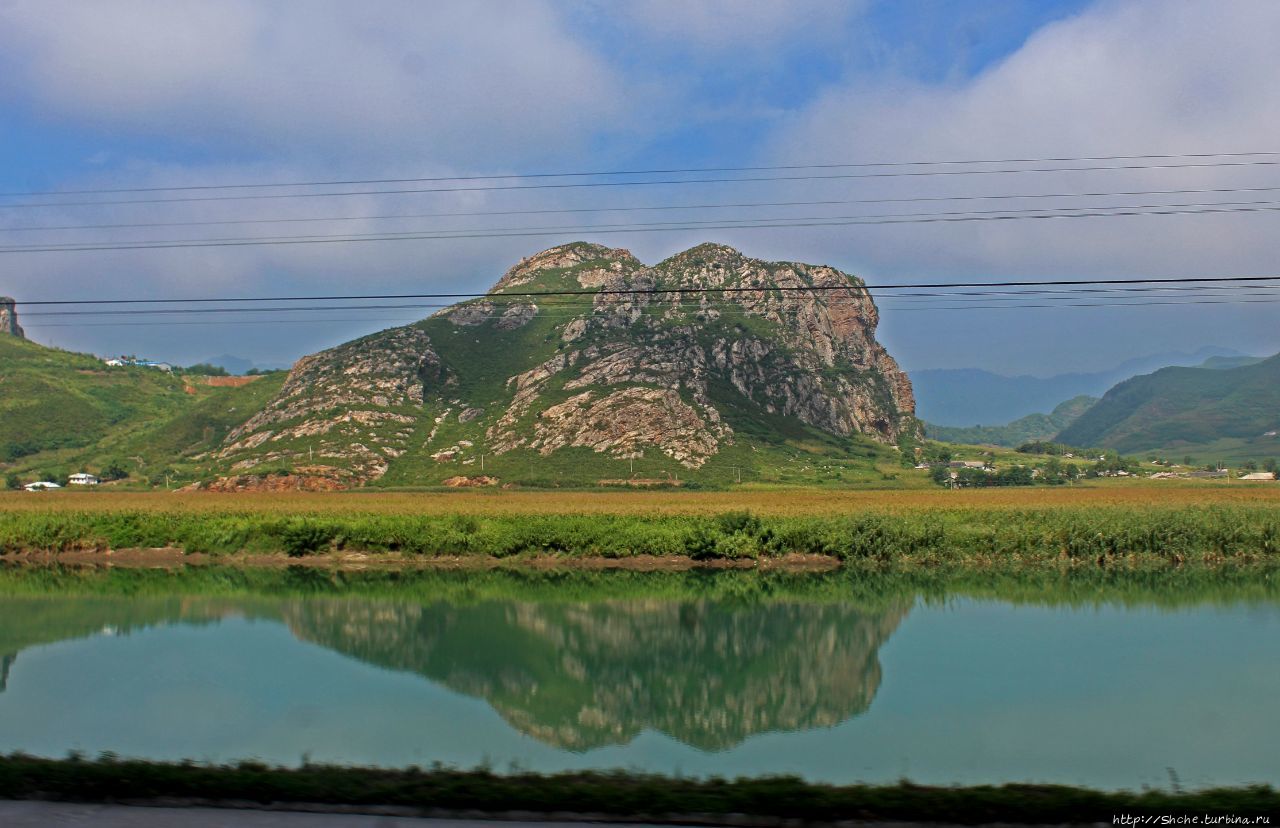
<point>83,479</point>
<point>41,485</point>
<point>1263,475</point>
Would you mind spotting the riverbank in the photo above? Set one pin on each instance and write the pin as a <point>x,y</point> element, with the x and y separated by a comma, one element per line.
<point>590,796</point>
<point>1237,535</point>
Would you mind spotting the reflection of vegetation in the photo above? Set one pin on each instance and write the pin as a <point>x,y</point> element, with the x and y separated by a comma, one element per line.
<point>581,659</point>
<point>618,794</point>
<point>583,675</point>
<point>575,674</point>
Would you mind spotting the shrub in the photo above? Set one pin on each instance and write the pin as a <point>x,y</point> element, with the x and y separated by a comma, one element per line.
<point>303,538</point>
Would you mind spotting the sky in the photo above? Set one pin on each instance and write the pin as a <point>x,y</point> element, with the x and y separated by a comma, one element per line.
<point>172,93</point>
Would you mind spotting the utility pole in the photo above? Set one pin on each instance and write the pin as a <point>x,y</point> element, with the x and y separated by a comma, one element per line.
<point>482,462</point>
<point>633,465</point>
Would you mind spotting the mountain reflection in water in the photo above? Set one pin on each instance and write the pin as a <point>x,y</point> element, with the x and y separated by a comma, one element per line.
<point>572,675</point>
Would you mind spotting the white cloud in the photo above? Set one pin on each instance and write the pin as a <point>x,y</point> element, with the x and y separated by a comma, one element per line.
<point>443,80</point>
<point>1124,78</point>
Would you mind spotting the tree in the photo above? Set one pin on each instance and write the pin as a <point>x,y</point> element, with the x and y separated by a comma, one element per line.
<point>207,370</point>
<point>1249,465</point>
<point>114,470</point>
<point>1270,465</point>
<point>13,482</point>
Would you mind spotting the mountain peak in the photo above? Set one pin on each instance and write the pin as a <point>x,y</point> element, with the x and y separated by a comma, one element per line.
<point>565,257</point>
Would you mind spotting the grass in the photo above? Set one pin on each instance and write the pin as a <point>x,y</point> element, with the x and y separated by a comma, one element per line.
<point>62,412</point>
<point>1140,527</point>
<point>616,794</point>
<point>1182,407</point>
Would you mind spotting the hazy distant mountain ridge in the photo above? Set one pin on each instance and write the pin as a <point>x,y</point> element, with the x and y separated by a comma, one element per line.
<point>963,397</point>
<point>1023,430</point>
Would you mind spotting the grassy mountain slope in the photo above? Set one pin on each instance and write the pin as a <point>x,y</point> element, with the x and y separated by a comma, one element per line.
<point>1023,430</point>
<point>62,411</point>
<point>1225,410</point>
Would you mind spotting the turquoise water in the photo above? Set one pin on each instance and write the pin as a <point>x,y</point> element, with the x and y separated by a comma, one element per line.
<point>939,691</point>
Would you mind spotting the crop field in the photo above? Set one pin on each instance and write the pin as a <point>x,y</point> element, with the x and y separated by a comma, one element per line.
<point>773,502</point>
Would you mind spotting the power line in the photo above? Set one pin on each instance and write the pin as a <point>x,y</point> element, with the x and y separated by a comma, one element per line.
<point>674,171</point>
<point>1053,306</point>
<point>642,208</point>
<point>728,225</point>
<point>1004,296</point>
<point>1162,280</point>
<point>659,182</point>
<point>780,221</point>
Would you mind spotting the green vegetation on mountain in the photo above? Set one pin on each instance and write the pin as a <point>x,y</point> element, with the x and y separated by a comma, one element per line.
<point>1027,429</point>
<point>63,412</point>
<point>1225,413</point>
<point>778,379</point>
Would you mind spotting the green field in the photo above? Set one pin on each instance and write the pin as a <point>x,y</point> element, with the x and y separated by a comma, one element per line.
<point>1141,527</point>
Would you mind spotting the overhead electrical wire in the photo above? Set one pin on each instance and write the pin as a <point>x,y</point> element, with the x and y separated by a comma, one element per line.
<point>668,171</point>
<point>74,247</point>
<point>643,208</point>
<point>781,221</point>
<point>646,183</point>
<point>968,297</point>
<point>586,292</point>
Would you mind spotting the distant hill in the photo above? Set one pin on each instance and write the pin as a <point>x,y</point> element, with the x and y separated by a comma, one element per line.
<point>63,411</point>
<point>1023,430</point>
<point>971,396</point>
<point>1220,362</point>
<point>1201,411</point>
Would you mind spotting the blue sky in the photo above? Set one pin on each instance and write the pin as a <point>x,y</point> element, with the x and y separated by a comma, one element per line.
<point>154,93</point>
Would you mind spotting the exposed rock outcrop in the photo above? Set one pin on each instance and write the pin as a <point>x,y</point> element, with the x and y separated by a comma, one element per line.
<point>9,318</point>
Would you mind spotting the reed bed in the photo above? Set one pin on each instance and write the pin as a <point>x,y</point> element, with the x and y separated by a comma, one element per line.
<point>1130,535</point>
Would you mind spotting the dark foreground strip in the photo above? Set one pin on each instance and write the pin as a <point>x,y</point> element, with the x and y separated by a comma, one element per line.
<point>648,798</point>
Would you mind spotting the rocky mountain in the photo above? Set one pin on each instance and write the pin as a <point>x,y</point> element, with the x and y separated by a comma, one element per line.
<point>637,372</point>
<point>9,318</point>
<point>1218,413</point>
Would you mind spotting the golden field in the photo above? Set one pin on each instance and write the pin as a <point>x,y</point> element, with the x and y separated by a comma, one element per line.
<point>772,502</point>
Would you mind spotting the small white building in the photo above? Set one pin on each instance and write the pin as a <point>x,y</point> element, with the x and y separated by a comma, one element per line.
<point>41,485</point>
<point>83,479</point>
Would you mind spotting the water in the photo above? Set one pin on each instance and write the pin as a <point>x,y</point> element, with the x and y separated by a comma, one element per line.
<point>954,690</point>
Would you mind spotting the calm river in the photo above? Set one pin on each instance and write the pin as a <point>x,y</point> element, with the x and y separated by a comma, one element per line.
<point>952,689</point>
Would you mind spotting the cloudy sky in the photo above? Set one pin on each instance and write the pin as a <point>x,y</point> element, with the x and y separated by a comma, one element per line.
<point>166,93</point>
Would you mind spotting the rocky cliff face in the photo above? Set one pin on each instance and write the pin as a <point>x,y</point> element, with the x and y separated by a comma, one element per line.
<point>9,318</point>
<point>674,362</point>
